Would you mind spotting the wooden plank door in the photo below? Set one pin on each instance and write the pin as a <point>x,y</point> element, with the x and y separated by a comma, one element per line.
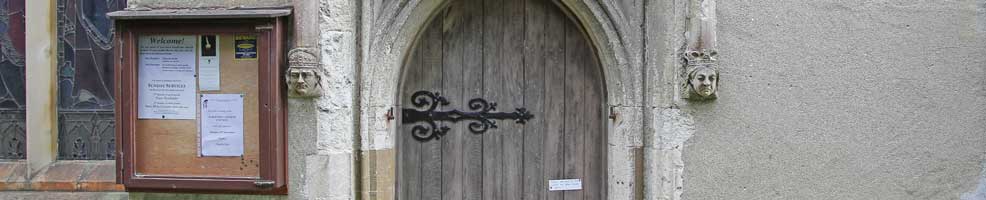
<point>518,54</point>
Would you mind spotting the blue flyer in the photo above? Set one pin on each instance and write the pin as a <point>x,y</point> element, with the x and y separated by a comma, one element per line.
<point>246,47</point>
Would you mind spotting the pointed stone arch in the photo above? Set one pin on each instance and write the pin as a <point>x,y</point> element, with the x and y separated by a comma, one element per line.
<point>388,34</point>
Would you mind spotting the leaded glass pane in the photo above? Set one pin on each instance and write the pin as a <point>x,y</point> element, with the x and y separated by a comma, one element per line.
<point>85,79</point>
<point>12,121</point>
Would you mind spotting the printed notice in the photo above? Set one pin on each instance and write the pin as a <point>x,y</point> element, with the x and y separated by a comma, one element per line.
<point>166,77</point>
<point>209,62</point>
<point>222,125</point>
<point>564,184</point>
<point>246,47</point>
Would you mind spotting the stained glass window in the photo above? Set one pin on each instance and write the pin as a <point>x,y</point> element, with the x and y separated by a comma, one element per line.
<point>12,121</point>
<point>85,79</point>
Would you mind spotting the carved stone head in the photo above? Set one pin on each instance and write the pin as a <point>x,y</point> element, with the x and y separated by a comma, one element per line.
<point>702,73</point>
<point>303,82</point>
<point>703,81</point>
<point>303,75</point>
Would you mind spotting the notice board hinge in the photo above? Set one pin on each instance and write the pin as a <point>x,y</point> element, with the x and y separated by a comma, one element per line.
<point>264,183</point>
<point>120,46</point>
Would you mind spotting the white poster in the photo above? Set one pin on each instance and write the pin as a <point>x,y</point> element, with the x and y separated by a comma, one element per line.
<point>209,62</point>
<point>221,125</point>
<point>166,77</point>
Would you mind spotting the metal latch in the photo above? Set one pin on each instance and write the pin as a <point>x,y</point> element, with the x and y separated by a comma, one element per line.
<point>264,184</point>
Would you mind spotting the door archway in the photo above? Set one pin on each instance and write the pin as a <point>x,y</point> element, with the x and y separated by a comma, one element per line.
<point>517,54</point>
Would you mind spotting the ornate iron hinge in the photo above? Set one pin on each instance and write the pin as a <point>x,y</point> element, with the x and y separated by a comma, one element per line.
<point>482,117</point>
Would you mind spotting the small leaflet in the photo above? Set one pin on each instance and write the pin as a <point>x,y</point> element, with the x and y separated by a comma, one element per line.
<point>221,125</point>
<point>246,47</point>
<point>209,76</point>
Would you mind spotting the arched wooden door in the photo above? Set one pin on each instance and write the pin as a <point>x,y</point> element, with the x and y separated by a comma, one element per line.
<point>519,54</point>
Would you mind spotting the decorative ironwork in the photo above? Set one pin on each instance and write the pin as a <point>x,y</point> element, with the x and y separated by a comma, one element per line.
<point>86,136</point>
<point>12,135</point>
<point>482,117</point>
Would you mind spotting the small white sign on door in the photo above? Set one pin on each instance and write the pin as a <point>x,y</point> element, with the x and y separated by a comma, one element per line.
<point>564,184</point>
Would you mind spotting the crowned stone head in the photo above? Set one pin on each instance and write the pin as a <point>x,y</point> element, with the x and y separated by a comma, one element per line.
<point>702,73</point>
<point>303,76</point>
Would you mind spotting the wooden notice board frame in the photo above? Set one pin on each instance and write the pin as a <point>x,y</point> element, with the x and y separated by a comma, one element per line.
<point>269,176</point>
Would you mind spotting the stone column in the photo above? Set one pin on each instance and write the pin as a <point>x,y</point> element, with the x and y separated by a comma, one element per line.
<point>303,112</point>
<point>40,59</point>
<point>322,130</point>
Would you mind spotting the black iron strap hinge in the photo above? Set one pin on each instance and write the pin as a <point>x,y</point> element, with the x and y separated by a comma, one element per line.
<point>482,116</point>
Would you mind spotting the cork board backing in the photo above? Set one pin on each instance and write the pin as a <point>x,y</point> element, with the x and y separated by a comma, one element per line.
<point>171,147</point>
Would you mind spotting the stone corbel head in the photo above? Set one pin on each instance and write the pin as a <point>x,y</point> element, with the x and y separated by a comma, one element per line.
<point>702,75</point>
<point>304,77</point>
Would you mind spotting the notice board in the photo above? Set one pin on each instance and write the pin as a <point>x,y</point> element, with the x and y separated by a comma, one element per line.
<point>201,105</point>
<point>173,147</point>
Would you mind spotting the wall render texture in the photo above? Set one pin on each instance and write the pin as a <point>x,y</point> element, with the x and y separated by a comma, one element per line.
<point>842,100</point>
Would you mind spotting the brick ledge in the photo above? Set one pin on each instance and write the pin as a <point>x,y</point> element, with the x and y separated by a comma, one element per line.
<point>62,175</point>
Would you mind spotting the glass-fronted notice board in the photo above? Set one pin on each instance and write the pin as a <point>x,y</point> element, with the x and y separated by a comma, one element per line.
<point>212,132</point>
<point>201,105</point>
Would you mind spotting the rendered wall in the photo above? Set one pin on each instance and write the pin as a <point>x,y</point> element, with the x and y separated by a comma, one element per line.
<point>840,99</point>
